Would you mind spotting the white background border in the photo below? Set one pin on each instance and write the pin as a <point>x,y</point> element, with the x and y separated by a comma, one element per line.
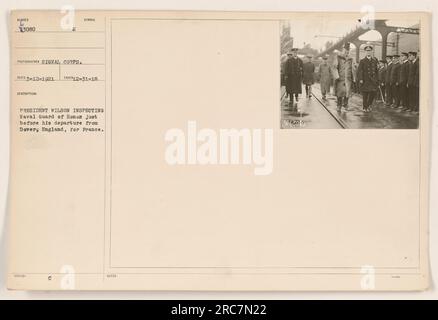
<point>216,5</point>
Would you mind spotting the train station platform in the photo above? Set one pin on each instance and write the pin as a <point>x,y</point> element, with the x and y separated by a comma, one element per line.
<point>315,113</point>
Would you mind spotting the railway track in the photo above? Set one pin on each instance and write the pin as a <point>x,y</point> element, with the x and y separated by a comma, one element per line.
<point>325,109</point>
<point>341,123</point>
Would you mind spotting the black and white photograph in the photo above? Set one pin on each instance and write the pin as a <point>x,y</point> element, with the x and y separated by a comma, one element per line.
<point>350,74</point>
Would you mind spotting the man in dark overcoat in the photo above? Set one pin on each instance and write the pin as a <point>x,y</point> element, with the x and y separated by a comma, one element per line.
<point>308,75</point>
<point>293,73</point>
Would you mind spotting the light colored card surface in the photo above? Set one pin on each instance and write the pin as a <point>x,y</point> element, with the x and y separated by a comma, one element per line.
<point>121,178</point>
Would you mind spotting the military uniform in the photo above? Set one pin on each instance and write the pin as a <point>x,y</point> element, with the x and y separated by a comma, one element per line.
<point>367,74</point>
<point>308,77</point>
<point>413,84</point>
<point>388,91</point>
<point>324,78</point>
<point>382,77</point>
<point>403,83</point>
<point>394,77</point>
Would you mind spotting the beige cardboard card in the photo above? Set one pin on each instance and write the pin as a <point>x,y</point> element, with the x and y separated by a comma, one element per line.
<point>219,151</point>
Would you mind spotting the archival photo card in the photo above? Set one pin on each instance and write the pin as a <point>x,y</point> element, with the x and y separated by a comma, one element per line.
<point>156,150</point>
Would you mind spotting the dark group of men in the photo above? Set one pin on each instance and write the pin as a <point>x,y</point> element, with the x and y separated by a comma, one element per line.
<point>295,73</point>
<point>395,80</point>
<point>399,79</point>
